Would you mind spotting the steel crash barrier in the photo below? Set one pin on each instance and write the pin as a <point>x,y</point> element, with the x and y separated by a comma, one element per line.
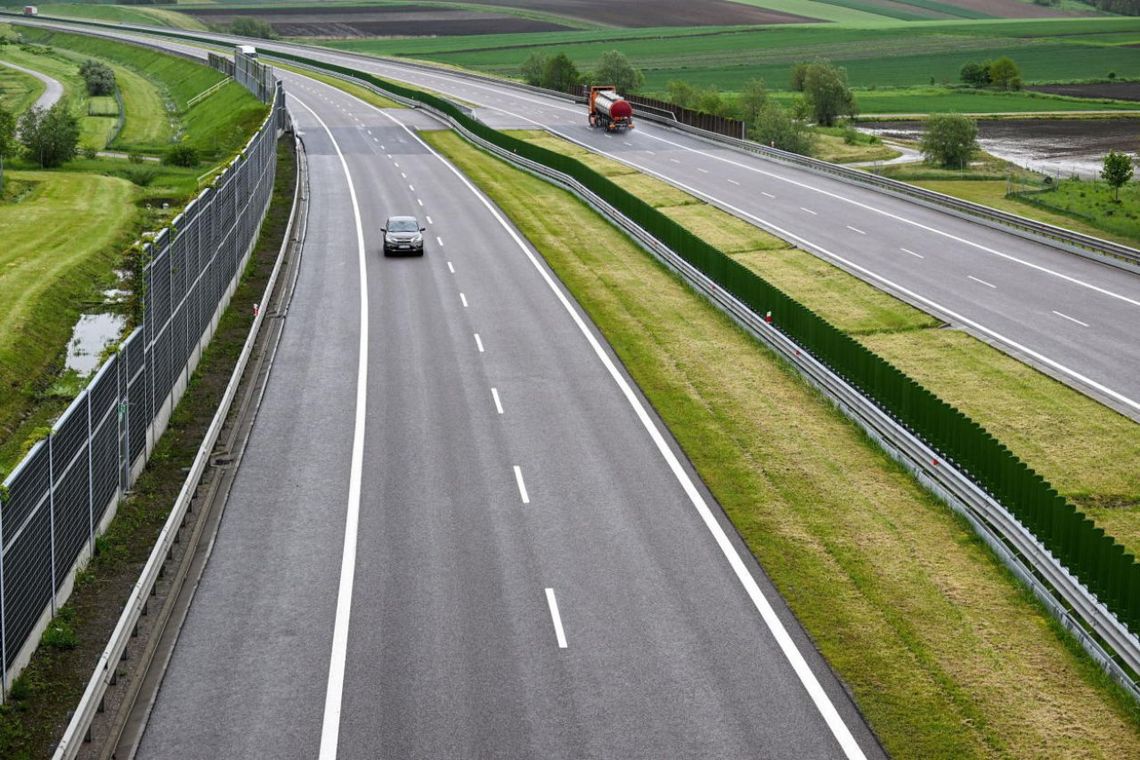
<point>1082,550</point>
<point>62,495</point>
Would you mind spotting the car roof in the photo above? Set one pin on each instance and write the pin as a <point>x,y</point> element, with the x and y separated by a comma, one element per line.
<point>402,219</point>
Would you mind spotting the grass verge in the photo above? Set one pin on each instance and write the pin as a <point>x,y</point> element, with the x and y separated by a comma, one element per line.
<point>939,646</point>
<point>48,271</point>
<point>1085,450</point>
<point>368,96</point>
<point>18,91</point>
<point>44,695</point>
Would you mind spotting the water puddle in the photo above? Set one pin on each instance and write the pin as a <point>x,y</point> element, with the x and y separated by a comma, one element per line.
<point>92,335</point>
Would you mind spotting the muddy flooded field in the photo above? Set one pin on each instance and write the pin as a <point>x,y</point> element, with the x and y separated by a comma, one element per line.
<point>1114,90</point>
<point>1058,147</point>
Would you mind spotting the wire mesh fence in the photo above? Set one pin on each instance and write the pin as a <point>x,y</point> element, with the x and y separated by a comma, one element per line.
<point>57,500</point>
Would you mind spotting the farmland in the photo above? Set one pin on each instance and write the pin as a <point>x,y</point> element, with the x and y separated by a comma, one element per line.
<point>125,14</point>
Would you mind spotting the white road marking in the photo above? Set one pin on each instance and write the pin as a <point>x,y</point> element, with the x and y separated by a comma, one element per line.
<point>402,174</point>
<point>479,342</point>
<point>429,221</point>
<point>987,284</point>
<point>856,229</point>
<point>419,202</point>
<point>553,604</point>
<point>912,253</point>
<point>498,403</point>
<point>389,156</point>
<point>439,240</point>
<point>809,211</point>
<point>702,171</point>
<point>450,268</point>
<point>463,299</point>
<point>1071,319</point>
<point>650,152</point>
<point>625,142</point>
<point>734,182</point>
<point>674,160</point>
<point>334,689</point>
<point>767,195</point>
<point>412,188</point>
<point>787,645</point>
<point>522,486</point>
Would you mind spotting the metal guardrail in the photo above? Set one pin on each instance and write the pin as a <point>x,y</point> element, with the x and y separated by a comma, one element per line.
<point>1105,639</point>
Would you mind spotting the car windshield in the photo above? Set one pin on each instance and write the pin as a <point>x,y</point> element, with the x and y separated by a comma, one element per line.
<point>403,224</point>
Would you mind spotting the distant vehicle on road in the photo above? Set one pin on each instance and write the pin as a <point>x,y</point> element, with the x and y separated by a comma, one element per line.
<point>247,50</point>
<point>609,110</point>
<point>403,234</point>
<point>31,10</point>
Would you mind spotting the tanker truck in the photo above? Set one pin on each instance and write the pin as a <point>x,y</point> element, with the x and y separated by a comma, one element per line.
<point>609,110</point>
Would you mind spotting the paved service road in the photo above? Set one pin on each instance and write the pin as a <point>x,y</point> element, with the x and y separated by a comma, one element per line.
<point>53,90</point>
<point>532,571</point>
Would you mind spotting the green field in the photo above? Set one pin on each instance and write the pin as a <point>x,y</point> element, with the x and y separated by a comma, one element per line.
<point>18,91</point>
<point>939,647</point>
<point>124,14</point>
<point>927,53</point>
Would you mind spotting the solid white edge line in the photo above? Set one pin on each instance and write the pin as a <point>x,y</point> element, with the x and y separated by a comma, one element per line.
<point>983,282</point>
<point>498,403</point>
<point>1071,319</point>
<point>522,486</point>
<point>554,616</point>
<point>787,645</point>
<point>334,689</point>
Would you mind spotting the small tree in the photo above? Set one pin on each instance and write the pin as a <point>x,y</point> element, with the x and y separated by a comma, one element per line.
<point>533,67</point>
<point>949,140</point>
<point>682,93</point>
<point>975,75</point>
<point>1004,74</point>
<point>752,100</point>
<point>99,77</point>
<point>50,137</point>
<point>710,101</point>
<point>8,144</point>
<point>1117,170</point>
<point>614,68</point>
<point>561,74</point>
<point>827,93</point>
<point>774,126</point>
<point>799,74</point>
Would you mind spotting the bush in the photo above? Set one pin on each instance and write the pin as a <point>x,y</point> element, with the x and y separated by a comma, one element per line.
<point>975,74</point>
<point>1004,74</point>
<point>181,155</point>
<point>90,153</point>
<point>139,175</point>
<point>850,136</point>
<point>560,74</point>
<point>777,128</point>
<point>246,26</point>
<point>532,68</point>
<point>949,139</point>
<point>100,78</point>
<point>49,137</point>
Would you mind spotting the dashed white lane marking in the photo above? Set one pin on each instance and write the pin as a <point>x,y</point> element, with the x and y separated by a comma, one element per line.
<point>553,604</point>
<point>651,152</point>
<point>912,253</point>
<point>450,268</point>
<point>479,342</point>
<point>767,195</point>
<point>402,174</point>
<point>334,688</point>
<point>430,222</point>
<point>498,403</point>
<point>856,229</point>
<point>1071,319</point>
<point>809,211</point>
<point>463,300</point>
<point>702,171</point>
<point>522,486</point>
<point>734,182</point>
<point>412,188</point>
<point>674,160</point>
<point>624,142</point>
<point>419,202</point>
<point>438,239</point>
<point>389,155</point>
<point>983,282</point>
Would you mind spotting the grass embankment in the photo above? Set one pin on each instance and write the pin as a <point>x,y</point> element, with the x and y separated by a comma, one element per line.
<point>124,14</point>
<point>844,145</point>
<point>945,654</point>
<point>48,271</point>
<point>1087,451</point>
<point>363,93</point>
<point>217,126</point>
<point>45,694</point>
<point>18,91</point>
<point>1080,205</point>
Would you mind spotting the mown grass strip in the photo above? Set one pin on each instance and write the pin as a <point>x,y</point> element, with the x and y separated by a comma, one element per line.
<point>939,646</point>
<point>1087,451</point>
<point>18,91</point>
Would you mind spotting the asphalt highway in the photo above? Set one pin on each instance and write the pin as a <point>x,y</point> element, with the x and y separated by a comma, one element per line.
<point>459,530</point>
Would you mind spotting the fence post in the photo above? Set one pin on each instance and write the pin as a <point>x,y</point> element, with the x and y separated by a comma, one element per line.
<point>90,481</point>
<point>51,516</point>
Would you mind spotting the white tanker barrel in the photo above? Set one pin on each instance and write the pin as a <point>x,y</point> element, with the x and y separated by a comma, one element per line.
<point>613,105</point>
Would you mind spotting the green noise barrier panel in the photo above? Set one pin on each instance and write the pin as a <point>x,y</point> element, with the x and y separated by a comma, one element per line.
<point>1096,559</point>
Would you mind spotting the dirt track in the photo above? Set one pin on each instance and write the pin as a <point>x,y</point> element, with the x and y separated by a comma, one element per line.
<point>1115,90</point>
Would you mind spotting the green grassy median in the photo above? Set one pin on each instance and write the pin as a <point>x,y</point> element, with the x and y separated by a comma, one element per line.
<point>945,654</point>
